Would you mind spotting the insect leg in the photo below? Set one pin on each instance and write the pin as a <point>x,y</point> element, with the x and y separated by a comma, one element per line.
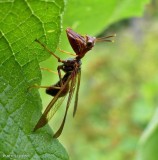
<point>66,52</point>
<point>49,70</point>
<point>59,60</point>
<point>59,68</point>
<point>36,86</point>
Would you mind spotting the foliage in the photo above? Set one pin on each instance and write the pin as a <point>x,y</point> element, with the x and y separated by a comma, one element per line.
<point>93,17</point>
<point>21,22</point>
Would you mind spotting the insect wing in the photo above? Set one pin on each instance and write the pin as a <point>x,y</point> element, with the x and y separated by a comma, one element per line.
<point>71,92</point>
<point>45,116</point>
<point>77,91</point>
<point>55,107</point>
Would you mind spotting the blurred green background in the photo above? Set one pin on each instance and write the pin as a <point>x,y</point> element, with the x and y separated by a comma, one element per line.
<point>118,92</point>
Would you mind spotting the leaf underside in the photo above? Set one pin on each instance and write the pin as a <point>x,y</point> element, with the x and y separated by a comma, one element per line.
<point>21,22</point>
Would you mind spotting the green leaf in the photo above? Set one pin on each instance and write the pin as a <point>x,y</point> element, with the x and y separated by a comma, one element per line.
<point>92,17</point>
<point>148,143</point>
<point>21,22</point>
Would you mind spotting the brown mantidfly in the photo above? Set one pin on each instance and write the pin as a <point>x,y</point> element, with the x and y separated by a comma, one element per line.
<point>70,82</point>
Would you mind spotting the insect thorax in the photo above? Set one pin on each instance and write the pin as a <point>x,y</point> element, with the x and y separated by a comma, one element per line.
<point>70,65</point>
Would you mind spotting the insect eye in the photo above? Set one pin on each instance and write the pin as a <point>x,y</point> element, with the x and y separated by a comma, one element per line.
<point>89,44</point>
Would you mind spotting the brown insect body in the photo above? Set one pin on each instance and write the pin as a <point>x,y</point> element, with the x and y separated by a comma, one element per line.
<point>52,90</point>
<point>71,80</point>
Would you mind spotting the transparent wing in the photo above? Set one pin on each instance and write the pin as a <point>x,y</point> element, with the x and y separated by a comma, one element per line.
<point>55,107</point>
<point>77,91</point>
<point>45,116</point>
<point>71,92</point>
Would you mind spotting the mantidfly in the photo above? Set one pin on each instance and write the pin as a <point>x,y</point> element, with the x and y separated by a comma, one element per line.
<point>70,82</point>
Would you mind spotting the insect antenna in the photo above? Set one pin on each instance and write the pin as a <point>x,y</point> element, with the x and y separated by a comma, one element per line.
<point>105,39</point>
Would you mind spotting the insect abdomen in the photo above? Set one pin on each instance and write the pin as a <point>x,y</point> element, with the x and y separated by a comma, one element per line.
<point>54,91</point>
